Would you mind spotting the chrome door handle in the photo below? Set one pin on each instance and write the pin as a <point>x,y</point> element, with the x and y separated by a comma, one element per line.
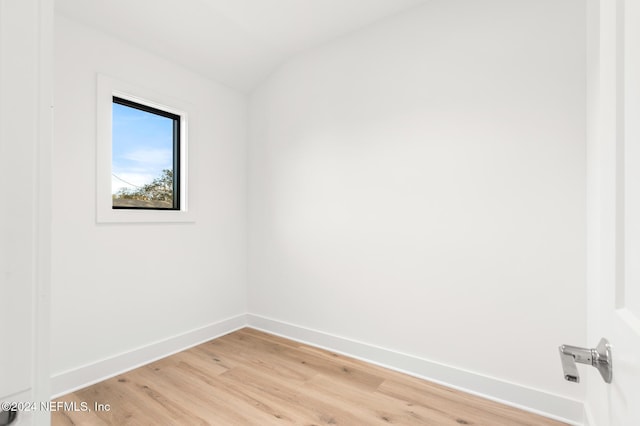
<point>600,358</point>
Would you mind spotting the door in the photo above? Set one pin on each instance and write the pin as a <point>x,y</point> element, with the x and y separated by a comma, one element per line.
<point>26,35</point>
<point>16,238</point>
<point>614,206</point>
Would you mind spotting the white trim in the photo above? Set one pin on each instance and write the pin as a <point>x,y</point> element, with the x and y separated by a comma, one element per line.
<point>78,378</point>
<point>108,87</point>
<point>41,383</point>
<point>533,400</point>
<point>589,420</point>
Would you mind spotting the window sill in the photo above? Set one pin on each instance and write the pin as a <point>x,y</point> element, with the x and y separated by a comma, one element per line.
<point>109,215</point>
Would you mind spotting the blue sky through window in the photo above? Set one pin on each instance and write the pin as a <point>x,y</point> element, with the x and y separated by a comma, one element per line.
<point>142,146</point>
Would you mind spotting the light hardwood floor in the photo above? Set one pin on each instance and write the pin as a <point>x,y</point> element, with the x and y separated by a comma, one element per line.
<point>253,378</point>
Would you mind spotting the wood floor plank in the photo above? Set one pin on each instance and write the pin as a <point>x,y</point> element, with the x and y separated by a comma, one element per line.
<point>309,406</point>
<point>270,357</point>
<point>470,409</point>
<point>253,378</point>
<point>193,402</point>
<point>76,417</point>
<point>308,361</point>
<point>378,408</point>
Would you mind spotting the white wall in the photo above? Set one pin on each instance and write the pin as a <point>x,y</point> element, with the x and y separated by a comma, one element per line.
<point>420,186</point>
<point>119,287</point>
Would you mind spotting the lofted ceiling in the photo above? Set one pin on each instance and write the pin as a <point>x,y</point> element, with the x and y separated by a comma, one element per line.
<point>235,42</point>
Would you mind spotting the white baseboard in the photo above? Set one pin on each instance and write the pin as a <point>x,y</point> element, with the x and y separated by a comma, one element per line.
<point>533,400</point>
<point>78,378</point>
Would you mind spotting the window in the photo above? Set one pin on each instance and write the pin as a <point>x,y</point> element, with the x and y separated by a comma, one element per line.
<point>144,158</point>
<point>145,149</point>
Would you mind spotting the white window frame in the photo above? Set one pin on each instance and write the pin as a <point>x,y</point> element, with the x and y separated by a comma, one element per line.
<point>107,88</point>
